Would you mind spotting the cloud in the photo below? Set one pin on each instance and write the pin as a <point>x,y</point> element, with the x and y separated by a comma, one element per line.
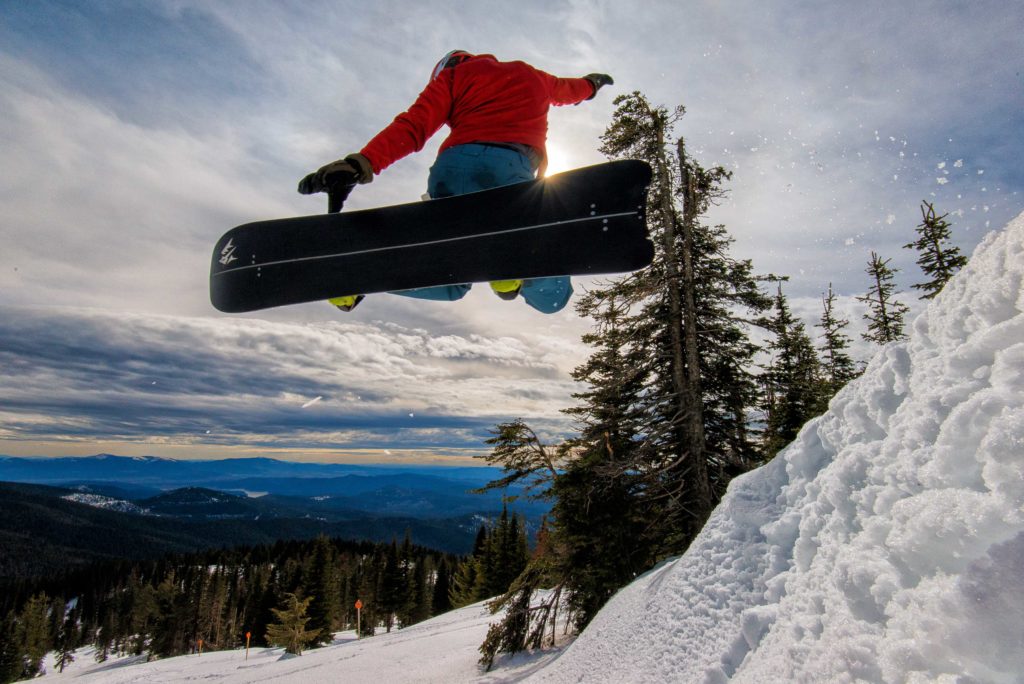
<point>83,374</point>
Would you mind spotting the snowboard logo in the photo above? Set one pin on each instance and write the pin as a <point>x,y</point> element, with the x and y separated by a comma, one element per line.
<point>227,255</point>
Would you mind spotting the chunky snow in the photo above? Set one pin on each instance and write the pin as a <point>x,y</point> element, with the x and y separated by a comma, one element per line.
<point>886,544</point>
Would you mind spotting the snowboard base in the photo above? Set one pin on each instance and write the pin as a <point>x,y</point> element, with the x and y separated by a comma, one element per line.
<point>583,222</point>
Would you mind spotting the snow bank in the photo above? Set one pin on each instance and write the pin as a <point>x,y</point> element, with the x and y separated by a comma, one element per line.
<point>885,544</point>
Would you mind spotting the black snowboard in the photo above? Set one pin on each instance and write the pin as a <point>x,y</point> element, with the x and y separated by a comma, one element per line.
<point>580,222</point>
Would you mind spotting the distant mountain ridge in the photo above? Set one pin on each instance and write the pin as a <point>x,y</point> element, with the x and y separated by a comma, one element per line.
<point>177,472</point>
<point>326,488</point>
<point>59,512</point>
<point>46,530</point>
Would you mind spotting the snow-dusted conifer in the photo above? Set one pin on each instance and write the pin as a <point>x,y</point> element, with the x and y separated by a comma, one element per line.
<point>290,629</point>
<point>792,380</point>
<point>838,365</point>
<point>937,258</point>
<point>885,314</point>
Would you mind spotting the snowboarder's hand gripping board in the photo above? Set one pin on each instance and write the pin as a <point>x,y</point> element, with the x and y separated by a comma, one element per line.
<point>582,222</point>
<point>338,179</point>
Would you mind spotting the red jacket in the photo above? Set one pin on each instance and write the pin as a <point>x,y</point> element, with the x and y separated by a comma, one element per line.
<point>482,100</point>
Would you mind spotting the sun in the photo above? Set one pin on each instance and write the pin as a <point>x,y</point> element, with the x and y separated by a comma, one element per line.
<point>558,160</point>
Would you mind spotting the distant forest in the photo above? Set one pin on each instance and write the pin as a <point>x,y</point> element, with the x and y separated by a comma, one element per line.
<point>211,600</point>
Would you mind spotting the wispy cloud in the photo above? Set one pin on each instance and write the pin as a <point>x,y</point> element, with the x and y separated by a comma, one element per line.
<point>91,375</point>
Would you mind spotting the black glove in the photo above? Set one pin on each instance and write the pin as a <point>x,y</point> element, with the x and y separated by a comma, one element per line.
<point>355,168</point>
<point>598,80</point>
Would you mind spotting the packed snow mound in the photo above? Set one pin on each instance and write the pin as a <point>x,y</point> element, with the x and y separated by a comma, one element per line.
<point>886,544</point>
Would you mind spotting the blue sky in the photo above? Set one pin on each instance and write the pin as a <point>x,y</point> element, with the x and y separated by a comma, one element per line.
<point>133,134</point>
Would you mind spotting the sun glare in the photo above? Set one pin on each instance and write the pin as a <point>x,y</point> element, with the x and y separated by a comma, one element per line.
<point>558,160</point>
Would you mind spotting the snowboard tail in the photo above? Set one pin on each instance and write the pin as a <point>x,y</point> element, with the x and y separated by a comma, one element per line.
<point>584,222</point>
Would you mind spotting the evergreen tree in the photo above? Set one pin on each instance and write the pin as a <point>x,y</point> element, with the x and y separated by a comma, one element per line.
<point>263,612</point>
<point>673,457</point>
<point>369,590</point>
<point>141,611</point>
<point>730,299</point>
<point>324,588</point>
<point>495,576</point>
<point>172,629</point>
<point>290,629</point>
<point>11,653</point>
<point>937,258</point>
<point>885,314</point>
<point>467,580</point>
<point>684,321</point>
<point>524,459</point>
<point>34,634</point>
<point>394,587</point>
<point>441,601</point>
<point>104,642</point>
<point>793,382</point>
<point>602,537</point>
<point>420,591</point>
<point>527,616</point>
<point>839,368</point>
<point>65,645</point>
<point>663,421</point>
<point>165,606</point>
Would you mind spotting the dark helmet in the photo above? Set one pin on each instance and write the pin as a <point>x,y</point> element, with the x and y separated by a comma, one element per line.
<point>453,58</point>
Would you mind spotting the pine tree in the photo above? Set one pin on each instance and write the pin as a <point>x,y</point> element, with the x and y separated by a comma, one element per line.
<point>11,654</point>
<point>323,587</point>
<point>838,366</point>
<point>663,419</point>
<point>104,642</point>
<point>793,382</point>
<point>499,559</point>
<point>290,629</point>
<point>171,632</point>
<point>675,460</point>
<point>263,611</point>
<point>468,580</point>
<point>602,531</point>
<point>441,601</point>
<point>394,586</point>
<point>34,634</point>
<point>141,611</point>
<point>65,645</point>
<point>420,591</point>
<point>885,314</point>
<point>369,589</point>
<point>524,459</point>
<point>686,335</point>
<point>937,258</point>
<point>730,300</point>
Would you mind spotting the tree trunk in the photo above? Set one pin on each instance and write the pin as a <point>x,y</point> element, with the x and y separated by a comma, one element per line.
<point>683,327</point>
<point>695,418</point>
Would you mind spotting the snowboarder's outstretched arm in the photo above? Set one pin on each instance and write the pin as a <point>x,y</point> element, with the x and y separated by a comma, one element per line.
<point>482,99</point>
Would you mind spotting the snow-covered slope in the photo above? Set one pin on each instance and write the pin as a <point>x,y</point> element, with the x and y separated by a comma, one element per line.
<point>886,544</point>
<point>443,649</point>
<point>106,502</point>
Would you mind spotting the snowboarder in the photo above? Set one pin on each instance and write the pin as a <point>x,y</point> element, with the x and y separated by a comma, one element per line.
<point>497,113</point>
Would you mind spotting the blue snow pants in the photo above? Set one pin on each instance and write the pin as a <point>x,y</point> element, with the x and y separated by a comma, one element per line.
<point>472,167</point>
